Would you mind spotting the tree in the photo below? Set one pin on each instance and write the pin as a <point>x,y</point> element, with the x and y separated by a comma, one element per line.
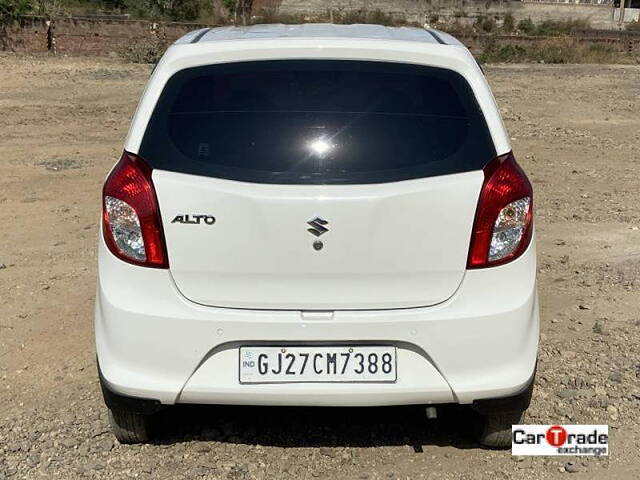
<point>12,10</point>
<point>166,9</point>
<point>240,9</point>
<point>219,10</point>
<point>48,8</point>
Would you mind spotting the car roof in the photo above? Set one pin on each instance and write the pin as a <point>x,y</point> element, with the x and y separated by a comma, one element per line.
<point>319,30</point>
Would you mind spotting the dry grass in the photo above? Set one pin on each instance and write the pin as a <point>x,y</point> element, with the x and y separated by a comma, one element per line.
<point>562,48</point>
<point>147,51</point>
<point>340,16</point>
<point>553,28</point>
<point>557,50</point>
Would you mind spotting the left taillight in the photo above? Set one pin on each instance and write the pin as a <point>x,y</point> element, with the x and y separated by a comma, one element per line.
<point>131,222</point>
<point>504,218</point>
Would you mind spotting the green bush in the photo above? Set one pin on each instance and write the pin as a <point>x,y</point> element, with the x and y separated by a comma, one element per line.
<point>502,53</point>
<point>526,26</point>
<point>552,28</point>
<point>485,24</point>
<point>11,10</point>
<point>508,23</point>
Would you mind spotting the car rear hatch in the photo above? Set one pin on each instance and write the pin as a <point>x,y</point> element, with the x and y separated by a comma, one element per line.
<point>333,184</point>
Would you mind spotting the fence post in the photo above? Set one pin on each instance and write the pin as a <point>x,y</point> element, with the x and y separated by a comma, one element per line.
<point>51,38</point>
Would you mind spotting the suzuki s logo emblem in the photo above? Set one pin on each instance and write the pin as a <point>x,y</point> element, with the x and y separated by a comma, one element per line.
<point>317,226</point>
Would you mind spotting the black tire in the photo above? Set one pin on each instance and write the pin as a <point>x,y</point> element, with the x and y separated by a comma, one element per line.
<point>130,427</point>
<point>494,430</point>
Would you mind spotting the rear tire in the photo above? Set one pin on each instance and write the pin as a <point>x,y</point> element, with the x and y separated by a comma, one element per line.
<point>130,427</point>
<point>494,430</point>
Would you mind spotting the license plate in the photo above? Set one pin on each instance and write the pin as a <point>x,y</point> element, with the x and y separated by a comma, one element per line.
<point>317,364</point>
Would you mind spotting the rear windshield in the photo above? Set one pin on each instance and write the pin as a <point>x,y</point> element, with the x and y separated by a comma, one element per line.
<point>317,122</point>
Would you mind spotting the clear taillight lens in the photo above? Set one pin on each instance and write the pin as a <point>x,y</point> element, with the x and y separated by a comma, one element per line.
<point>131,224</point>
<point>509,229</point>
<point>125,228</point>
<point>504,218</point>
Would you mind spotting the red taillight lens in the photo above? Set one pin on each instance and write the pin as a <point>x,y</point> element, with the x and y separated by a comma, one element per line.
<point>503,225</point>
<point>131,221</point>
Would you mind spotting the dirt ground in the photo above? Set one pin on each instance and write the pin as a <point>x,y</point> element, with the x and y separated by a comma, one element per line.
<point>576,131</point>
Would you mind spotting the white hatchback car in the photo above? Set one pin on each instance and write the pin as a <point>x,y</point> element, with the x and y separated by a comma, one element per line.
<point>317,215</point>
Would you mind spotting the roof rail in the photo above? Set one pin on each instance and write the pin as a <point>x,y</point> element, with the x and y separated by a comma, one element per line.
<point>436,36</point>
<point>197,38</point>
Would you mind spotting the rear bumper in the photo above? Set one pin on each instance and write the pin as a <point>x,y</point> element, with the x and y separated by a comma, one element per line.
<point>146,406</point>
<point>152,343</point>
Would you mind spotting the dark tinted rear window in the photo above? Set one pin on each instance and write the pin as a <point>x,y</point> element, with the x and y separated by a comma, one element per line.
<point>317,122</point>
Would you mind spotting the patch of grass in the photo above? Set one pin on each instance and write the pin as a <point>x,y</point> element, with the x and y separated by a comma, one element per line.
<point>508,53</point>
<point>559,50</point>
<point>562,27</point>
<point>598,328</point>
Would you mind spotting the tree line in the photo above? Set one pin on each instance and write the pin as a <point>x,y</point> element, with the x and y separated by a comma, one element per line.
<point>216,11</point>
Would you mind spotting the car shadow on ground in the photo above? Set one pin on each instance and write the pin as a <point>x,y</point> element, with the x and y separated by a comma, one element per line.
<point>317,427</point>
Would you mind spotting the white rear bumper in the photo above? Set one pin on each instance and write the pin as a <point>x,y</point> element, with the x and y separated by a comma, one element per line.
<point>153,343</point>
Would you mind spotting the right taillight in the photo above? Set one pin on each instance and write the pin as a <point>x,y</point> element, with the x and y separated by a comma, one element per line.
<point>504,217</point>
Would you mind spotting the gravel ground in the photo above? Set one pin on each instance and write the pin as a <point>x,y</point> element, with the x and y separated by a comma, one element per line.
<point>575,131</point>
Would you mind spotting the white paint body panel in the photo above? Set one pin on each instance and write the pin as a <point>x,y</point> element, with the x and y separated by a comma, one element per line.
<point>393,245</point>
